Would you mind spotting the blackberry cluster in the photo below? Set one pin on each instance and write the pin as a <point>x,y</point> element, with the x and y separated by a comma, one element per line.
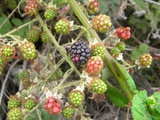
<point>80,53</point>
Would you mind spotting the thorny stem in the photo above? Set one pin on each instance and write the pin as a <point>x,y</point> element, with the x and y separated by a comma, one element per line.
<point>58,47</point>
<point>108,59</point>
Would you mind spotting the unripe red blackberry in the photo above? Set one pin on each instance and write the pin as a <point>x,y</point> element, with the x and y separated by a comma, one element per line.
<point>97,86</point>
<point>98,50</point>
<point>68,112</point>
<point>62,26</point>
<point>52,105</point>
<point>94,65</point>
<point>145,60</point>
<point>12,4</point>
<point>30,103</point>
<point>101,23</point>
<point>44,37</point>
<point>121,46</point>
<point>33,34</point>
<point>79,52</point>
<point>8,52</point>
<point>14,102</point>
<point>115,51</point>
<point>76,98</point>
<point>123,33</point>
<point>93,6</point>
<point>15,114</point>
<point>32,7</point>
<point>28,50</point>
<point>50,13</point>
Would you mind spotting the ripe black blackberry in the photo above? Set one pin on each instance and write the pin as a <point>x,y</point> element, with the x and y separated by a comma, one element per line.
<point>79,52</point>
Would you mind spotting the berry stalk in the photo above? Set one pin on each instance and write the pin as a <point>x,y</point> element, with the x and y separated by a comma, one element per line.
<point>59,48</point>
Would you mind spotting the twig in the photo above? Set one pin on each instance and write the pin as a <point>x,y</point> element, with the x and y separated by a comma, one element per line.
<point>6,78</point>
<point>153,2</point>
<point>18,28</point>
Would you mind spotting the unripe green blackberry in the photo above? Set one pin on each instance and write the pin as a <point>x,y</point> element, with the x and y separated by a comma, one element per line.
<point>59,73</point>
<point>23,74</point>
<point>44,37</point>
<point>1,60</point>
<point>114,51</point>
<point>14,102</point>
<point>8,52</point>
<point>15,114</point>
<point>93,6</point>
<point>101,23</point>
<point>62,26</point>
<point>33,34</point>
<point>28,50</point>
<point>32,7</point>
<point>68,112</point>
<point>121,46</point>
<point>26,82</point>
<point>53,77</point>
<point>29,103</point>
<point>98,86</point>
<point>98,50</point>
<point>145,60</point>
<point>50,13</point>
<point>76,98</point>
<point>12,4</point>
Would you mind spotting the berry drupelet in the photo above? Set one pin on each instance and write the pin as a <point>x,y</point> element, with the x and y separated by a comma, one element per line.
<point>80,53</point>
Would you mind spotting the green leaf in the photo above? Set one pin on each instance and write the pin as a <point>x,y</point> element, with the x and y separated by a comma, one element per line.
<point>116,96</point>
<point>6,27</point>
<point>141,4</point>
<point>126,76</point>
<point>17,22</point>
<point>139,107</point>
<point>137,52</point>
